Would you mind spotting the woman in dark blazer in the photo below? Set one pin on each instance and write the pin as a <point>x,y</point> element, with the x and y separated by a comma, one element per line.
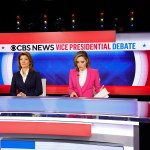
<point>26,82</point>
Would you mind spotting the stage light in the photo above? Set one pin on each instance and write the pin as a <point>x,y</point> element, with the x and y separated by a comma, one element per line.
<point>102,14</point>
<point>73,21</point>
<point>18,17</point>
<point>115,23</point>
<point>132,19</point>
<point>73,27</point>
<point>18,28</point>
<point>101,20</point>
<point>59,24</point>
<point>132,12</point>
<point>45,22</point>
<point>101,26</point>
<point>18,23</point>
<point>131,25</point>
<point>45,16</point>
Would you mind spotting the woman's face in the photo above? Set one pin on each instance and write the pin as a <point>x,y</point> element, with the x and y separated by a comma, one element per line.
<point>24,61</point>
<point>81,63</point>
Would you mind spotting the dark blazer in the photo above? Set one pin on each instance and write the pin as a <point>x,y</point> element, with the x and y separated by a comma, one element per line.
<point>31,87</point>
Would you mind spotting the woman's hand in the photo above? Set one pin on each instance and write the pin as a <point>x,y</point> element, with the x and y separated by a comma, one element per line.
<point>73,94</point>
<point>21,94</point>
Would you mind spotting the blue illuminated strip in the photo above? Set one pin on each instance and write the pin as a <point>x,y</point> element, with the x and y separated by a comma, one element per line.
<point>17,144</point>
<point>64,145</point>
<point>102,106</point>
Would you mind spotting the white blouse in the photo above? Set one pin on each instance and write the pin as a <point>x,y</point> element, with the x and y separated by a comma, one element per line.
<point>82,77</point>
<point>24,76</point>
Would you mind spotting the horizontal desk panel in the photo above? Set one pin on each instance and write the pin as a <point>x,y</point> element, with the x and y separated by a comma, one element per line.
<point>96,106</point>
<point>47,128</point>
<point>105,131</point>
<point>30,144</point>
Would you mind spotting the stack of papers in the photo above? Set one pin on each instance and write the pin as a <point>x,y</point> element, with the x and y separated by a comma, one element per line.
<point>103,93</point>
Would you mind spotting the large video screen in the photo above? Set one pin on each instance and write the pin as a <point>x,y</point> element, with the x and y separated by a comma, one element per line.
<point>124,62</point>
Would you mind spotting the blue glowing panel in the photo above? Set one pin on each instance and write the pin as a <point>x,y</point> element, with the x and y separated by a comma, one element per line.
<point>115,68</point>
<point>113,106</point>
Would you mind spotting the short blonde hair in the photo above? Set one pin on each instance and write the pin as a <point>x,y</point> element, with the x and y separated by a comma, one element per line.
<point>84,55</point>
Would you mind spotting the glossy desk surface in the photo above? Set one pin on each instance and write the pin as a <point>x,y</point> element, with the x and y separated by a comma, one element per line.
<point>109,108</point>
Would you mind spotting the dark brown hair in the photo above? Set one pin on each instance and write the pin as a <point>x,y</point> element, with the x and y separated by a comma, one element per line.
<point>84,55</point>
<point>30,60</point>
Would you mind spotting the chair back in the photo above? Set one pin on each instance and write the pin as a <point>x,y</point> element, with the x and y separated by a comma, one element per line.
<point>44,87</point>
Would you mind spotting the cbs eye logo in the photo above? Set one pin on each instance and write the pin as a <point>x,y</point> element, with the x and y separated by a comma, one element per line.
<point>13,47</point>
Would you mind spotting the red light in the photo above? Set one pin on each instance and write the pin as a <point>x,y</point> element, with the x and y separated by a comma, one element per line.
<point>45,16</point>
<point>73,15</point>
<point>101,14</point>
<point>18,17</point>
<point>131,13</point>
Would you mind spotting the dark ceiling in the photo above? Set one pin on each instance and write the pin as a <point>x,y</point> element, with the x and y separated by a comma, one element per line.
<point>87,14</point>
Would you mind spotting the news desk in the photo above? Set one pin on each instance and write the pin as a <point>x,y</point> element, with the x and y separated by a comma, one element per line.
<point>114,126</point>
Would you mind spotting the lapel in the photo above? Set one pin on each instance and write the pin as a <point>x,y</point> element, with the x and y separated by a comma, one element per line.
<point>28,77</point>
<point>20,78</point>
<point>87,80</point>
<point>77,80</point>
